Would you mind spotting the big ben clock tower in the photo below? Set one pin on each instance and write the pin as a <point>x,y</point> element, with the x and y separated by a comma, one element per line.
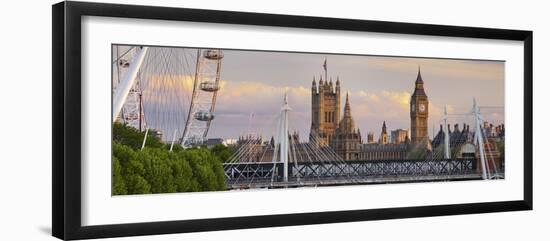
<point>419,112</point>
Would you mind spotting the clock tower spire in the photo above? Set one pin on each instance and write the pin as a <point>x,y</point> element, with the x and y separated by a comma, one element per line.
<point>419,111</point>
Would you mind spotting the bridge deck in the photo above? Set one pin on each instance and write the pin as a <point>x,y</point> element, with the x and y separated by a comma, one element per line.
<point>345,181</point>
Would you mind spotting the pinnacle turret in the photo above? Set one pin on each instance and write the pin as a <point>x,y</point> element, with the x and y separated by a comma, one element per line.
<point>347,124</point>
<point>347,108</point>
<point>313,85</point>
<point>419,84</point>
<point>419,77</point>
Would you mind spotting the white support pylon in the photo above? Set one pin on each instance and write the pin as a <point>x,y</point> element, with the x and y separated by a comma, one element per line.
<point>173,139</point>
<point>283,135</point>
<point>479,139</point>
<point>144,139</point>
<point>446,132</point>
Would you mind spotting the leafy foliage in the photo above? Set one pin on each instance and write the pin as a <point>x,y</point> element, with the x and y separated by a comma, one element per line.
<point>119,187</point>
<point>418,153</point>
<point>501,147</point>
<point>157,170</point>
<point>132,170</point>
<point>133,138</point>
<point>223,152</point>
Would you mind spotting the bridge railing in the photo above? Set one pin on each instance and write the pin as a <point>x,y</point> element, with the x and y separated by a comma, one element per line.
<point>273,172</point>
<point>253,172</point>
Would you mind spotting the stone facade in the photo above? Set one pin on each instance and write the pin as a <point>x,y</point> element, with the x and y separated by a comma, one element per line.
<point>341,134</point>
<point>399,136</point>
<point>419,112</point>
<point>347,141</point>
<point>325,110</point>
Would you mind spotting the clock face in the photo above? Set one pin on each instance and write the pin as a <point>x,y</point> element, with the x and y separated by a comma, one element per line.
<point>422,107</point>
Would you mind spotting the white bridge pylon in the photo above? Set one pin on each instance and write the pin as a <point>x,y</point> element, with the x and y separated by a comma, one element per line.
<point>479,140</point>
<point>285,161</point>
<point>283,141</point>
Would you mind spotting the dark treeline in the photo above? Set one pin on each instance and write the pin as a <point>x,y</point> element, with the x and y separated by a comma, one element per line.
<point>156,170</point>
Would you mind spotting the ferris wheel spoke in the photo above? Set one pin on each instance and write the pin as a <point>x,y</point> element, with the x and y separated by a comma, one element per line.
<point>205,89</point>
<point>172,91</point>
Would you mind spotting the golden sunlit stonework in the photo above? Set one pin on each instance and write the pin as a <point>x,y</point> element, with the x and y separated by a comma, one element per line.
<point>342,135</point>
<point>419,112</point>
<point>325,110</point>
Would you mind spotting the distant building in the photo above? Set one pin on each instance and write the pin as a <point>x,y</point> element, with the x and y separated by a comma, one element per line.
<point>370,137</point>
<point>325,110</point>
<point>229,142</point>
<point>254,145</point>
<point>419,112</point>
<point>457,138</point>
<point>399,136</point>
<point>383,135</point>
<point>383,149</point>
<point>384,152</point>
<point>341,135</point>
<point>493,131</point>
<point>492,155</point>
<point>156,133</point>
<point>347,140</point>
<point>462,143</point>
<point>499,131</point>
<point>214,141</point>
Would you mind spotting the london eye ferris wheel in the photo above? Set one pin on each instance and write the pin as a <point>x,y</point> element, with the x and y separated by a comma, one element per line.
<point>171,91</point>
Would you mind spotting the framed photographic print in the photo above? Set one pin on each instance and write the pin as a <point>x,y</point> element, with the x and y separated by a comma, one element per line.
<point>170,120</point>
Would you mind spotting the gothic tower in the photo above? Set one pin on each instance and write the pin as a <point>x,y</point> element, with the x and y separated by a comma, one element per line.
<point>347,140</point>
<point>325,110</point>
<point>419,112</point>
<point>370,137</point>
<point>384,135</point>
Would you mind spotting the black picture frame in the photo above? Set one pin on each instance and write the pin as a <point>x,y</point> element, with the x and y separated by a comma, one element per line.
<point>66,88</point>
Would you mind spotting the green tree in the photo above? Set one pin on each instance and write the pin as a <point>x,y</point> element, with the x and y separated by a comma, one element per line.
<point>132,137</point>
<point>183,174</point>
<point>132,169</point>
<point>207,169</point>
<point>119,187</point>
<point>175,148</point>
<point>157,170</point>
<point>222,152</point>
<point>500,147</point>
<point>418,153</point>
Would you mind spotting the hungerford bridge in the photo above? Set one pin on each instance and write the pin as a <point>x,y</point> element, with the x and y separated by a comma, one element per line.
<point>149,79</point>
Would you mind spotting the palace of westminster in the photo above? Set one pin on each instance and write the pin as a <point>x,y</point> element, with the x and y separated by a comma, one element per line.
<point>327,128</point>
<point>331,130</point>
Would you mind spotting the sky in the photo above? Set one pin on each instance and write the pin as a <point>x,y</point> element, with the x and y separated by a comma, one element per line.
<point>380,88</point>
<point>253,84</point>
